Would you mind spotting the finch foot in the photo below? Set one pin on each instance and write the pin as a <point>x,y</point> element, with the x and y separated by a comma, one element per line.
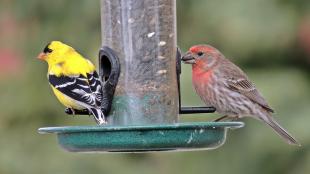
<point>70,111</point>
<point>221,118</point>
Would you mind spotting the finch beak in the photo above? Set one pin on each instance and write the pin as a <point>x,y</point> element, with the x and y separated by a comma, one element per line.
<point>41,56</point>
<point>188,58</point>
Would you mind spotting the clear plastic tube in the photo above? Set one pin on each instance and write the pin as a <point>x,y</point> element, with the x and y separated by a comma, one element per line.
<point>143,34</point>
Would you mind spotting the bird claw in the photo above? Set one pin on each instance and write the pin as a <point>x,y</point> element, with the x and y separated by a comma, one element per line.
<point>227,118</point>
<point>73,112</point>
<point>221,118</point>
<point>70,111</point>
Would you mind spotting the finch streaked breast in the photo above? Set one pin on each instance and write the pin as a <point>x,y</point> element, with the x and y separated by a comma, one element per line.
<point>223,85</point>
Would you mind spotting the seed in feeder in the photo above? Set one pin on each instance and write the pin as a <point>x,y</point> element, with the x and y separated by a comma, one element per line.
<point>163,71</point>
<point>161,43</point>
<point>150,34</point>
<point>161,57</point>
<point>145,71</point>
<point>131,20</point>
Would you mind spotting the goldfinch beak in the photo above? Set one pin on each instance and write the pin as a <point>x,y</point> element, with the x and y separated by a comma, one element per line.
<point>41,56</point>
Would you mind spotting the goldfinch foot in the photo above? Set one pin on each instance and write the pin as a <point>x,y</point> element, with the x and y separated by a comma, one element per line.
<point>74,80</point>
<point>71,111</point>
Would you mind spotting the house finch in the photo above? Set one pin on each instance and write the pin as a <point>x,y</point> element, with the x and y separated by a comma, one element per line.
<point>223,85</point>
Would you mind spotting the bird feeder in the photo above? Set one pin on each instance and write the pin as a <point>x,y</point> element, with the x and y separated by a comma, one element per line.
<point>139,65</point>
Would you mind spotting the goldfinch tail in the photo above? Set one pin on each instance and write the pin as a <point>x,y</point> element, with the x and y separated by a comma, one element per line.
<point>98,115</point>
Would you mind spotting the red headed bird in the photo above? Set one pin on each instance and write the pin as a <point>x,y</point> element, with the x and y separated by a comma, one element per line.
<point>223,85</point>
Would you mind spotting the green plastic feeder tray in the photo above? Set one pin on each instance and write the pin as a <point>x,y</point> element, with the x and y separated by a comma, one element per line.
<point>180,136</point>
<point>139,65</point>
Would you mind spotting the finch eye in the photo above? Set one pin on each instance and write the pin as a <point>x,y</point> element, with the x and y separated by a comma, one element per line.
<point>200,53</point>
<point>47,50</point>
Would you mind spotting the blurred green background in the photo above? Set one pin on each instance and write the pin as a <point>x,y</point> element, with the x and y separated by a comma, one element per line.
<point>269,39</point>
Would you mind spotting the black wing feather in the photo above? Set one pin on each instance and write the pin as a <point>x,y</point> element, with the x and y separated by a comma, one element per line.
<point>75,87</point>
<point>95,86</point>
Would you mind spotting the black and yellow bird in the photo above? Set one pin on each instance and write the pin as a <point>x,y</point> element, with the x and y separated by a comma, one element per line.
<point>73,79</point>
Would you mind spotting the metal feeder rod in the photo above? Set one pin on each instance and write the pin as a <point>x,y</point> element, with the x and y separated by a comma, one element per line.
<point>145,108</point>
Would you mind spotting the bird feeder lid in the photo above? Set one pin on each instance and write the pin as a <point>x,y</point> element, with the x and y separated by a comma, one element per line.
<point>165,137</point>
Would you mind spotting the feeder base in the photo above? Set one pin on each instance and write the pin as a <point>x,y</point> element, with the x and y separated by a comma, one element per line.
<point>167,137</point>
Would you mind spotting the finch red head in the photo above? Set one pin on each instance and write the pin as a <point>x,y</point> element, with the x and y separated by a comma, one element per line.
<point>223,85</point>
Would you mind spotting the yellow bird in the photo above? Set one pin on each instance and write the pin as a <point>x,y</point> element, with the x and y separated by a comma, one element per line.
<point>73,79</point>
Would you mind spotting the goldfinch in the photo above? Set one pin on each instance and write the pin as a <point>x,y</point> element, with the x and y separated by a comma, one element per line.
<point>73,79</point>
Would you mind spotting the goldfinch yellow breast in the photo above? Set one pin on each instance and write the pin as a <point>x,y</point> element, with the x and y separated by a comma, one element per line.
<point>74,79</point>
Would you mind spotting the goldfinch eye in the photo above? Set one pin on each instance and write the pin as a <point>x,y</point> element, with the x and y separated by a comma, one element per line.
<point>200,53</point>
<point>47,50</point>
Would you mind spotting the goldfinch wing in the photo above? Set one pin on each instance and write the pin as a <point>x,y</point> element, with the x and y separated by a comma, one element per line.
<point>75,87</point>
<point>95,85</point>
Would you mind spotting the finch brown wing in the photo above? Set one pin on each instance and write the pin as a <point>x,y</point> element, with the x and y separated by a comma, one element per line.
<point>245,87</point>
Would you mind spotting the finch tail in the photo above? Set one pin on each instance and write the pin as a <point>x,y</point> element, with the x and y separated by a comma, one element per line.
<point>98,115</point>
<point>279,130</point>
